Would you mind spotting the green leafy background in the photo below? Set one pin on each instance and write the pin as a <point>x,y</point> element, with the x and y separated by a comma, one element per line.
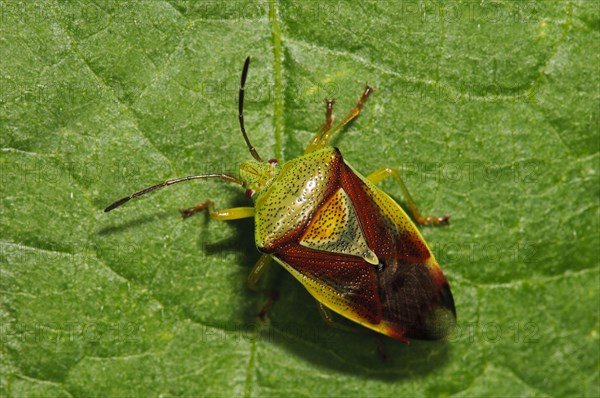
<point>490,111</point>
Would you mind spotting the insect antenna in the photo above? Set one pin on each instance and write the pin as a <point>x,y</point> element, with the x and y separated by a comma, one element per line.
<point>170,182</point>
<point>241,111</point>
<point>221,176</point>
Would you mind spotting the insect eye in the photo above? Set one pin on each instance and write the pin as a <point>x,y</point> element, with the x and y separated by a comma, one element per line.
<point>249,193</point>
<point>273,161</point>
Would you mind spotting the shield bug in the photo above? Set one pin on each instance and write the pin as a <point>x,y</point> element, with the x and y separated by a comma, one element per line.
<point>350,244</point>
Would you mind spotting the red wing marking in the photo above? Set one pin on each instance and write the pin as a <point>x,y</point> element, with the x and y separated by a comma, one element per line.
<point>404,295</point>
<point>348,281</point>
<point>383,236</point>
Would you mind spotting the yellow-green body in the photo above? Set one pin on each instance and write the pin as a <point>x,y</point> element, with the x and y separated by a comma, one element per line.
<point>350,244</point>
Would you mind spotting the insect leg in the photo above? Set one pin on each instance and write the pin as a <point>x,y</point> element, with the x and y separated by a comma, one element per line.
<point>257,272</point>
<point>328,318</point>
<point>356,110</point>
<point>321,139</point>
<point>225,214</point>
<point>328,115</point>
<point>315,142</point>
<point>385,172</point>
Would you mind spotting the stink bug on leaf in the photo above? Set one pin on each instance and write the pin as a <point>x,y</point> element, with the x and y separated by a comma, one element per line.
<point>350,244</point>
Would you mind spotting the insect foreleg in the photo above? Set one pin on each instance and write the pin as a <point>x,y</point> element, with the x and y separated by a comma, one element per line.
<point>234,213</point>
<point>321,139</point>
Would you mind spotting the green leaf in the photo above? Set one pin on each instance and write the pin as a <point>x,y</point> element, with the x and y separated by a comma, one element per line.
<point>489,109</point>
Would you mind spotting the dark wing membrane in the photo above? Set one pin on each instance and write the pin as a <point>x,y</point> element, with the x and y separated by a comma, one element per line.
<point>413,300</point>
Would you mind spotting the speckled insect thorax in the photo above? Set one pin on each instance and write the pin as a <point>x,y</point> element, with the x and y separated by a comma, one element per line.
<point>291,199</point>
<point>287,201</point>
<point>301,203</point>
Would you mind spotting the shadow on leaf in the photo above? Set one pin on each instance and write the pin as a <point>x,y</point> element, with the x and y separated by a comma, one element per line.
<point>132,224</point>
